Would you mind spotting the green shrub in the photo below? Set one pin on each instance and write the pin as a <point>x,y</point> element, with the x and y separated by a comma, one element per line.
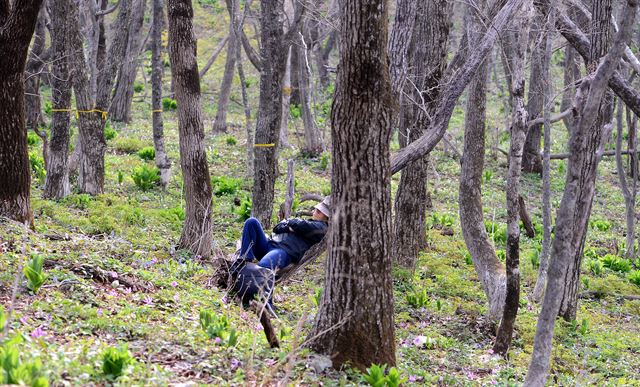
<point>147,153</point>
<point>616,263</point>
<point>146,177</point>
<point>486,177</point>
<point>418,299</point>
<point>218,327</point>
<point>13,371</point>
<point>79,201</point>
<point>634,277</point>
<point>48,108</point>
<point>244,209</point>
<point>101,224</point>
<point>32,138</point>
<point>115,360</point>
<point>502,255</point>
<point>325,159</point>
<point>169,104</point>
<point>128,145</point>
<point>497,232</point>
<point>34,273</point>
<point>467,258</point>
<point>534,258</point>
<point>37,166</point>
<point>437,220</point>
<point>138,87</point>
<point>109,132</point>
<point>601,225</point>
<point>375,376</point>
<point>223,185</point>
<point>134,217</point>
<point>230,140</point>
<point>594,266</point>
<point>295,111</point>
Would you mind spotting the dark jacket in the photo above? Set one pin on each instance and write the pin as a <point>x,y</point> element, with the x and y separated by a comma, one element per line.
<point>306,233</point>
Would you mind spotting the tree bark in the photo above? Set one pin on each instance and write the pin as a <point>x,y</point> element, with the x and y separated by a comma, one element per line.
<point>120,109</point>
<point>600,41</point>
<point>34,66</point>
<point>516,42</point>
<point>355,320</point>
<point>220,123</point>
<point>584,144</point>
<point>197,230</point>
<point>571,75</point>
<point>17,24</point>
<point>157,69</point>
<point>273,53</point>
<point>629,194</point>
<point>489,269</point>
<point>313,145</point>
<point>56,185</point>
<point>427,61</point>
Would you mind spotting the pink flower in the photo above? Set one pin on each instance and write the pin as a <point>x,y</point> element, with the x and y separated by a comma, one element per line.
<point>24,320</point>
<point>176,297</point>
<point>174,284</point>
<point>235,363</point>
<point>37,333</point>
<point>217,340</point>
<point>114,274</point>
<point>113,293</point>
<point>419,341</point>
<point>147,300</point>
<point>127,290</point>
<point>99,312</point>
<point>413,378</point>
<point>154,261</point>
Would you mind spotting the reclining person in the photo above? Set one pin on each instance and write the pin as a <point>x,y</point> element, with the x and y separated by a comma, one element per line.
<point>293,237</point>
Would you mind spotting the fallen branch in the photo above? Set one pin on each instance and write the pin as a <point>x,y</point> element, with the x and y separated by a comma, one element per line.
<point>97,274</point>
<point>265,321</point>
<point>596,294</point>
<point>562,156</point>
<point>556,118</point>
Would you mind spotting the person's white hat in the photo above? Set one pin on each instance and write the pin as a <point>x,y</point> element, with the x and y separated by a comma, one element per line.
<point>324,206</point>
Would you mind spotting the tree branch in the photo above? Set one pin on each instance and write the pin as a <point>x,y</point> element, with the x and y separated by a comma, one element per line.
<point>108,10</point>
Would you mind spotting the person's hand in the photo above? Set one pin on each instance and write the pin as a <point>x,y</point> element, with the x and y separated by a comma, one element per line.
<point>281,228</point>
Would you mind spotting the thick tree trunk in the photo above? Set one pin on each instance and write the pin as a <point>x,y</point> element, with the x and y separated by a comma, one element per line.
<point>157,68</point>
<point>600,41</point>
<point>57,182</point>
<point>273,53</point>
<point>531,160</point>
<point>220,123</point>
<point>35,64</point>
<point>583,144</point>
<point>427,62</point>
<point>355,320</point>
<point>516,50</point>
<point>196,233</point>
<point>489,269</point>
<point>17,25</point>
<point>120,109</point>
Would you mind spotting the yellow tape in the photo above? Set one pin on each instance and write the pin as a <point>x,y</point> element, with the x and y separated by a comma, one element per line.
<point>61,110</point>
<point>264,145</point>
<point>157,111</point>
<point>102,112</point>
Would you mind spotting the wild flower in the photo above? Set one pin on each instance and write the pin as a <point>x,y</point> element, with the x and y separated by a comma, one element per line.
<point>37,333</point>
<point>147,300</point>
<point>174,284</point>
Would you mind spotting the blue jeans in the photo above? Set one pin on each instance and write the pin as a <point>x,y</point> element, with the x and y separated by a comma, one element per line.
<point>255,245</point>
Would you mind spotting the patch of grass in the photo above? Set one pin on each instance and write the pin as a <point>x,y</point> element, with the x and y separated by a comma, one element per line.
<point>128,144</point>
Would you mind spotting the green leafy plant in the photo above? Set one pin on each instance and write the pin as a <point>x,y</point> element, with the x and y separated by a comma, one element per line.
<point>37,166</point>
<point>317,296</point>
<point>418,299</point>
<point>616,263</point>
<point>502,255</point>
<point>3,318</point>
<point>594,266</point>
<point>438,305</point>
<point>230,140</point>
<point>34,274</point>
<point>14,371</point>
<point>128,144</point>
<point>467,258</point>
<point>634,277</point>
<point>120,177</point>
<point>218,327</point>
<point>534,258</point>
<point>487,176</point>
<point>115,360</point>
<point>295,111</point>
<point>169,104</point>
<point>437,220</point>
<point>379,376</point>
<point>32,139</point>
<point>497,231</point>
<point>244,209</point>
<point>600,225</point>
<point>325,159</point>
<point>223,185</point>
<point>138,87</point>
<point>146,177</point>
<point>147,153</point>
<point>48,108</point>
<point>109,132</point>
<point>79,201</point>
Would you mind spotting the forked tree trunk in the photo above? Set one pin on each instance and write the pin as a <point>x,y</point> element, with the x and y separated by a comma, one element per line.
<point>584,143</point>
<point>267,141</point>
<point>196,233</point>
<point>35,64</point>
<point>157,69</point>
<point>17,24</point>
<point>220,123</point>
<point>56,185</point>
<point>427,61</point>
<point>355,322</point>
<point>516,50</point>
<point>490,270</point>
<point>600,42</point>
<point>312,138</point>
<point>123,98</point>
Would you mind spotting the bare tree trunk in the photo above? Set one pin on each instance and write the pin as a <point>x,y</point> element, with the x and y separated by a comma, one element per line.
<point>313,145</point>
<point>34,66</point>
<point>355,320</point>
<point>294,81</point>
<point>286,102</point>
<point>57,181</point>
<point>120,109</point>
<point>17,24</point>
<point>220,123</point>
<point>489,269</point>
<point>629,195</point>
<point>162,160</point>
<point>541,281</point>
<point>427,61</point>
<point>571,74</point>
<point>600,41</point>
<point>275,44</point>
<point>584,144</point>
<point>197,233</point>
<point>632,126</point>
<point>516,43</point>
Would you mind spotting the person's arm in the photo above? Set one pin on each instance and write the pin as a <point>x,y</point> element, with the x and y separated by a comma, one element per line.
<point>312,230</point>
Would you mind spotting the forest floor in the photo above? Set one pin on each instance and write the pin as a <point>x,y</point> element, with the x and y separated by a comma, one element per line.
<point>114,277</point>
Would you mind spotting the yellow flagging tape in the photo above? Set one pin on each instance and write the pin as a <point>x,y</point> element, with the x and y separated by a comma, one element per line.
<point>61,110</point>
<point>102,112</point>
<point>264,145</point>
<point>157,111</point>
